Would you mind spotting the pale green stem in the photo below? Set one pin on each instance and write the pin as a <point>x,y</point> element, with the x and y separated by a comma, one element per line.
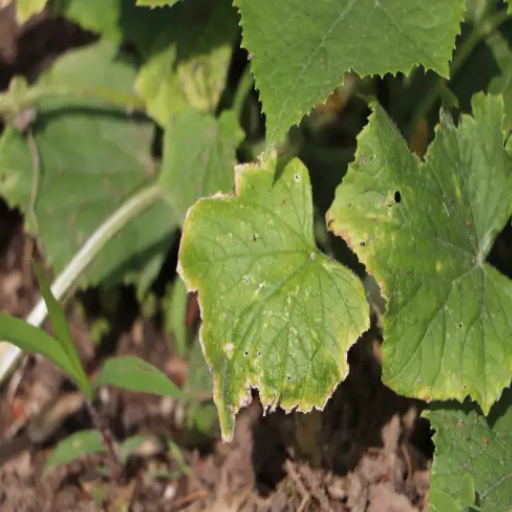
<point>34,95</point>
<point>245,86</point>
<point>10,354</point>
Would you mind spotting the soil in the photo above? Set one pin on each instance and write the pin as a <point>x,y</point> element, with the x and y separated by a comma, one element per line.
<point>367,451</point>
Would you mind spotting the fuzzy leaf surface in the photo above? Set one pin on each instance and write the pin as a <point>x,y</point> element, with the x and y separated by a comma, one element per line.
<point>424,231</point>
<point>278,315</point>
<point>80,184</point>
<point>199,157</point>
<point>188,64</point>
<point>303,49</point>
<point>471,448</point>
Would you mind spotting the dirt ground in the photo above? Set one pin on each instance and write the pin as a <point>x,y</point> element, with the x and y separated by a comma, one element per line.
<point>367,451</point>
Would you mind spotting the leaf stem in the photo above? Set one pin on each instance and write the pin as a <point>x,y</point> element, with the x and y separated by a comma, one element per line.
<point>12,104</point>
<point>245,85</point>
<point>480,31</point>
<point>10,354</point>
<point>108,441</point>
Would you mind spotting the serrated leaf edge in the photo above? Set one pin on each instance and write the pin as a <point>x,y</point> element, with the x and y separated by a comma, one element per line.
<point>271,135</point>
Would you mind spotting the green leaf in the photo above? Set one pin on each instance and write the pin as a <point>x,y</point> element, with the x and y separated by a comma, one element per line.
<point>156,3</point>
<point>498,42</point>
<point>278,315</point>
<point>131,372</point>
<point>473,455</point>
<point>201,418</point>
<point>175,310</point>
<point>199,157</point>
<point>424,231</point>
<point>36,341</point>
<point>73,447</point>
<point>188,64</point>
<point>467,489</point>
<point>25,9</point>
<point>475,9</point>
<point>130,445</point>
<point>303,49</point>
<point>117,20</point>
<point>79,185</point>
<point>443,502</point>
<point>199,379</point>
<point>488,67</point>
<point>63,333</point>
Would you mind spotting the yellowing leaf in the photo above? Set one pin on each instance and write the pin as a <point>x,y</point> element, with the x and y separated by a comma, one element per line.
<point>424,231</point>
<point>278,315</point>
<point>28,8</point>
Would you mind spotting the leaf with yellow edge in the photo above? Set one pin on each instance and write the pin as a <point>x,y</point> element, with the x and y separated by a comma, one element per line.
<point>278,315</point>
<point>424,230</point>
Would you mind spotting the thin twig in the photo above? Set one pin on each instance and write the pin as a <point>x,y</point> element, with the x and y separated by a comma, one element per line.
<point>304,493</point>
<point>108,441</point>
<point>184,500</point>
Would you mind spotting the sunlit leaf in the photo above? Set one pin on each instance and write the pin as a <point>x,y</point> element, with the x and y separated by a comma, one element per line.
<point>424,230</point>
<point>302,50</point>
<point>277,314</point>
<point>25,9</point>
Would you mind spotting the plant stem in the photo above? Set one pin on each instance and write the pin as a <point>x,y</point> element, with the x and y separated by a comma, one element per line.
<point>10,354</point>
<point>480,31</point>
<point>244,87</point>
<point>12,104</point>
<point>108,441</point>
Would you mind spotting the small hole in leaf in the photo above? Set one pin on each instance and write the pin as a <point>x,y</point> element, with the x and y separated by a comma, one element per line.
<point>246,353</point>
<point>246,279</point>
<point>297,178</point>
<point>398,197</point>
<point>288,378</point>
<point>460,325</point>
<point>259,354</point>
<point>362,244</point>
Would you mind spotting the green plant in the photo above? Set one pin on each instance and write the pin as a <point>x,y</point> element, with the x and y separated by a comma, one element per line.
<point>127,372</point>
<point>279,314</point>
